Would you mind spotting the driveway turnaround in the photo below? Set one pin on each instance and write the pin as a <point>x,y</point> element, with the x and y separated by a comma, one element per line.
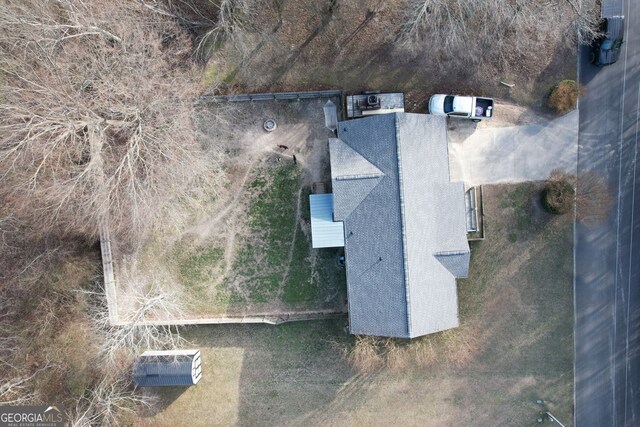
<point>492,155</point>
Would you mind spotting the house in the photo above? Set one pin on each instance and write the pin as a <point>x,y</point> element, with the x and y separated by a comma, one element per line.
<point>167,368</point>
<point>401,221</point>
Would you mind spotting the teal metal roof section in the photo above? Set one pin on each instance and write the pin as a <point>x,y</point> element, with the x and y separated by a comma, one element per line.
<point>325,233</point>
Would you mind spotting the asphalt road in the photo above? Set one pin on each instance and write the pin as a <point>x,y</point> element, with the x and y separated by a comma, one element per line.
<point>607,260</point>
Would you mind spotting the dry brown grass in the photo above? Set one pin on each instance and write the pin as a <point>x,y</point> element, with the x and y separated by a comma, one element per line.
<point>365,355</point>
<point>454,347</point>
<point>45,335</point>
<point>398,357</point>
<point>50,346</point>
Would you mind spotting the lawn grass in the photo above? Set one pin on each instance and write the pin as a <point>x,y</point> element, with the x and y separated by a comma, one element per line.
<point>514,346</point>
<point>299,287</point>
<point>274,267</point>
<point>276,261</point>
<point>264,257</point>
<point>196,267</point>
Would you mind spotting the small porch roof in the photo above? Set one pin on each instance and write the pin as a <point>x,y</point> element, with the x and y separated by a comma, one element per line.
<point>325,233</point>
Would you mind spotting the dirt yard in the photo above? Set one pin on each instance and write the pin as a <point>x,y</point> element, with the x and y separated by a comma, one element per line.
<point>514,346</point>
<point>249,252</point>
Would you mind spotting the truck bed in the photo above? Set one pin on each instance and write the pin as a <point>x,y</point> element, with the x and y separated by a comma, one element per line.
<point>483,108</point>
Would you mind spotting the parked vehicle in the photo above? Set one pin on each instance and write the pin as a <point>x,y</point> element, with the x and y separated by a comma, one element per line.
<point>464,107</point>
<point>606,49</point>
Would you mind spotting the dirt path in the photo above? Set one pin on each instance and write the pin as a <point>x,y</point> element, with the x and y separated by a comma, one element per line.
<point>285,276</point>
<point>204,229</point>
<point>229,250</point>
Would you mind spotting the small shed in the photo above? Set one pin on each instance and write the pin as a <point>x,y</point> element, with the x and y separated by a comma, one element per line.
<point>167,368</point>
<point>330,116</point>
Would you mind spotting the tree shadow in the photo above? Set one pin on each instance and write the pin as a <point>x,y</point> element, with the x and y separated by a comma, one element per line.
<point>162,398</point>
<point>263,375</point>
<point>586,70</point>
<point>297,373</point>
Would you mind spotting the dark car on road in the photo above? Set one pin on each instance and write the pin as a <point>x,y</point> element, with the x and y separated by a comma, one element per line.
<point>606,49</point>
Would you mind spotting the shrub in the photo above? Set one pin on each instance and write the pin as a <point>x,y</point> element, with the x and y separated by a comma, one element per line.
<point>558,195</point>
<point>564,96</point>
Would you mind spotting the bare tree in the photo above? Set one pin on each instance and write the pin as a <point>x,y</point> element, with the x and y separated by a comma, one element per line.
<point>593,195</point>
<point>594,198</point>
<point>96,111</point>
<point>233,20</point>
<point>138,328</point>
<point>211,21</point>
<point>499,31</point>
<point>107,402</point>
<point>17,389</point>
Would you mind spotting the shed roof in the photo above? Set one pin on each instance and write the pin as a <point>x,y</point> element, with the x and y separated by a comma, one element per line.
<point>405,225</point>
<point>167,368</point>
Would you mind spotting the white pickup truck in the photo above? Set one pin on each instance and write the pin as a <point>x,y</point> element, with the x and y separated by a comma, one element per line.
<point>464,107</point>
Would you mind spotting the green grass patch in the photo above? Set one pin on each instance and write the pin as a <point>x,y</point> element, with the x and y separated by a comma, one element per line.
<point>262,259</point>
<point>273,266</point>
<point>531,273</point>
<point>197,269</point>
<point>229,78</point>
<point>299,287</point>
<point>275,261</point>
<point>258,183</point>
<point>305,208</point>
<point>196,265</point>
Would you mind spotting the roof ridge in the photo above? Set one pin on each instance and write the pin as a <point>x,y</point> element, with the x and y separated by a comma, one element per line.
<point>356,176</point>
<point>449,253</point>
<point>405,254</point>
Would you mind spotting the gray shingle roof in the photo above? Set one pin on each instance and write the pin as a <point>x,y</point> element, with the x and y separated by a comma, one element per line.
<point>456,262</point>
<point>404,225</point>
<point>347,163</point>
<point>352,175</point>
